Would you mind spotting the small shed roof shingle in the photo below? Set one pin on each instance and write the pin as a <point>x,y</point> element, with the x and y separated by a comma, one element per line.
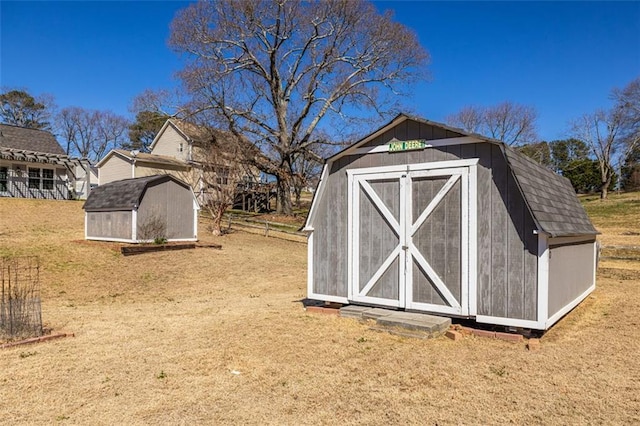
<point>124,194</point>
<point>22,138</point>
<point>550,197</point>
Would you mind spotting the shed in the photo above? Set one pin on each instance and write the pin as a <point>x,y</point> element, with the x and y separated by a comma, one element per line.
<point>425,217</point>
<point>142,209</point>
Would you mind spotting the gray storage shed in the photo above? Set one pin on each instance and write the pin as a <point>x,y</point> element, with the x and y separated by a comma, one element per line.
<point>422,216</point>
<point>142,209</point>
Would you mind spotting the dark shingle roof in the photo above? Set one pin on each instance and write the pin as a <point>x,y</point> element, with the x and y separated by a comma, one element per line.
<point>550,197</point>
<point>15,137</point>
<point>123,194</point>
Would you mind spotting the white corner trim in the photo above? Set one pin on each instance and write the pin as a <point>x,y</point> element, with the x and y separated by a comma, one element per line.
<point>134,225</point>
<point>543,278</point>
<point>562,312</point>
<point>117,240</point>
<point>317,197</point>
<point>310,264</point>
<point>557,241</point>
<point>327,298</point>
<point>351,204</point>
<point>86,224</point>
<point>512,322</point>
<point>473,240</point>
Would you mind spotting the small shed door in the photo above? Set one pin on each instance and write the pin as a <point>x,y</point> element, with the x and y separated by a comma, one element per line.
<point>409,239</point>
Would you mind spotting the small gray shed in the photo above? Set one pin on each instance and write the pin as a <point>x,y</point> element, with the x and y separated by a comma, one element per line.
<point>142,209</point>
<point>425,217</point>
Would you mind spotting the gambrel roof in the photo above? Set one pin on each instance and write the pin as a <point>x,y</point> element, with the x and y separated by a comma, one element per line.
<point>126,194</point>
<point>33,140</point>
<point>550,198</point>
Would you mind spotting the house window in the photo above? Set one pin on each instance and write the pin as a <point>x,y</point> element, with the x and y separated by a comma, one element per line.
<point>34,178</point>
<point>180,148</point>
<point>222,175</point>
<point>40,178</point>
<point>4,184</point>
<point>47,179</point>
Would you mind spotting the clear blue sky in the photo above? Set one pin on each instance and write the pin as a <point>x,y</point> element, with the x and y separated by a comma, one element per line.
<point>561,57</point>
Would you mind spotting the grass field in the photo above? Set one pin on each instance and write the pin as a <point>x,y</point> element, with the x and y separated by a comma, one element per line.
<point>221,337</point>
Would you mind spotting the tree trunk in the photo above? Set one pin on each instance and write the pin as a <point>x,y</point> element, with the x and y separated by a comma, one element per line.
<point>284,196</point>
<point>604,189</point>
<point>217,211</point>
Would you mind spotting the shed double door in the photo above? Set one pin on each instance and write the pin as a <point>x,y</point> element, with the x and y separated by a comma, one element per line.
<point>409,233</point>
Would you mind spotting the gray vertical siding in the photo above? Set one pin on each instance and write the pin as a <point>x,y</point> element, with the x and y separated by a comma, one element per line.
<point>507,248</point>
<point>571,269</point>
<point>116,224</point>
<point>171,203</point>
<point>377,239</point>
<point>438,239</point>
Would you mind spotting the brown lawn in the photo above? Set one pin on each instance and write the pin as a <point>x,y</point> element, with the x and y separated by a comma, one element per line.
<point>220,337</point>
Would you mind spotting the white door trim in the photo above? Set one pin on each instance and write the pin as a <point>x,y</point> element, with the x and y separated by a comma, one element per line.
<point>464,170</point>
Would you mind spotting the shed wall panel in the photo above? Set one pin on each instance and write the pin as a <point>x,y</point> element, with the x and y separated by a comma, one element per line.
<point>571,272</point>
<point>115,224</point>
<point>506,285</point>
<point>169,204</point>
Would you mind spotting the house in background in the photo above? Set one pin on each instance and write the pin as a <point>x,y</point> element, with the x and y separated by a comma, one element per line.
<point>86,180</point>
<point>34,165</point>
<point>120,164</point>
<point>180,149</point>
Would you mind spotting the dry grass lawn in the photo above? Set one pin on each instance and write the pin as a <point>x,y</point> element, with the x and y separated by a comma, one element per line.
<point>220,337</point>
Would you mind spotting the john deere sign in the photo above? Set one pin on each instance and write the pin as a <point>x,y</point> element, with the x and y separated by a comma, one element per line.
<point>410,145</point>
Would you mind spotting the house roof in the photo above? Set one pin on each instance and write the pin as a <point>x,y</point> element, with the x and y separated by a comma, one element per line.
<point>161,160</point>
<point>550,197</point>
<point>124,194</point>
<point>33,140</point>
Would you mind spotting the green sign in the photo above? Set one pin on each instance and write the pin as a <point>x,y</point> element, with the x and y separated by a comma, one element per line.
<point>397,146</point>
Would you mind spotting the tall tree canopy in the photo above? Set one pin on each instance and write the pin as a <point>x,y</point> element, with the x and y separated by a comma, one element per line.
<point>273,70</point>
<point>19,108</point>
<point>508,122</point>
<point>144,129</point>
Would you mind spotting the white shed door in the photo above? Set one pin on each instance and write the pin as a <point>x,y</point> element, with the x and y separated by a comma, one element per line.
<point>409,239</point>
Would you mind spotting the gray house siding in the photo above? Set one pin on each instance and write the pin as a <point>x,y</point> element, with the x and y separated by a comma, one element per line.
<point>571,272</point>
<point>507,246</point>
<point>109,225</point>
<point>169,203</point>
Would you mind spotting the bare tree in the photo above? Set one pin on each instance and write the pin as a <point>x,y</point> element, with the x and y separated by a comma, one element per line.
<point>110,131</point>
<point>273,70</point>
<point>19,108</point>
<point>470,119</point>
<point>89,133</point>
<point>223,170</point>
<point>601,131</point>
<point>508,122</point>
<point>611,135</point>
